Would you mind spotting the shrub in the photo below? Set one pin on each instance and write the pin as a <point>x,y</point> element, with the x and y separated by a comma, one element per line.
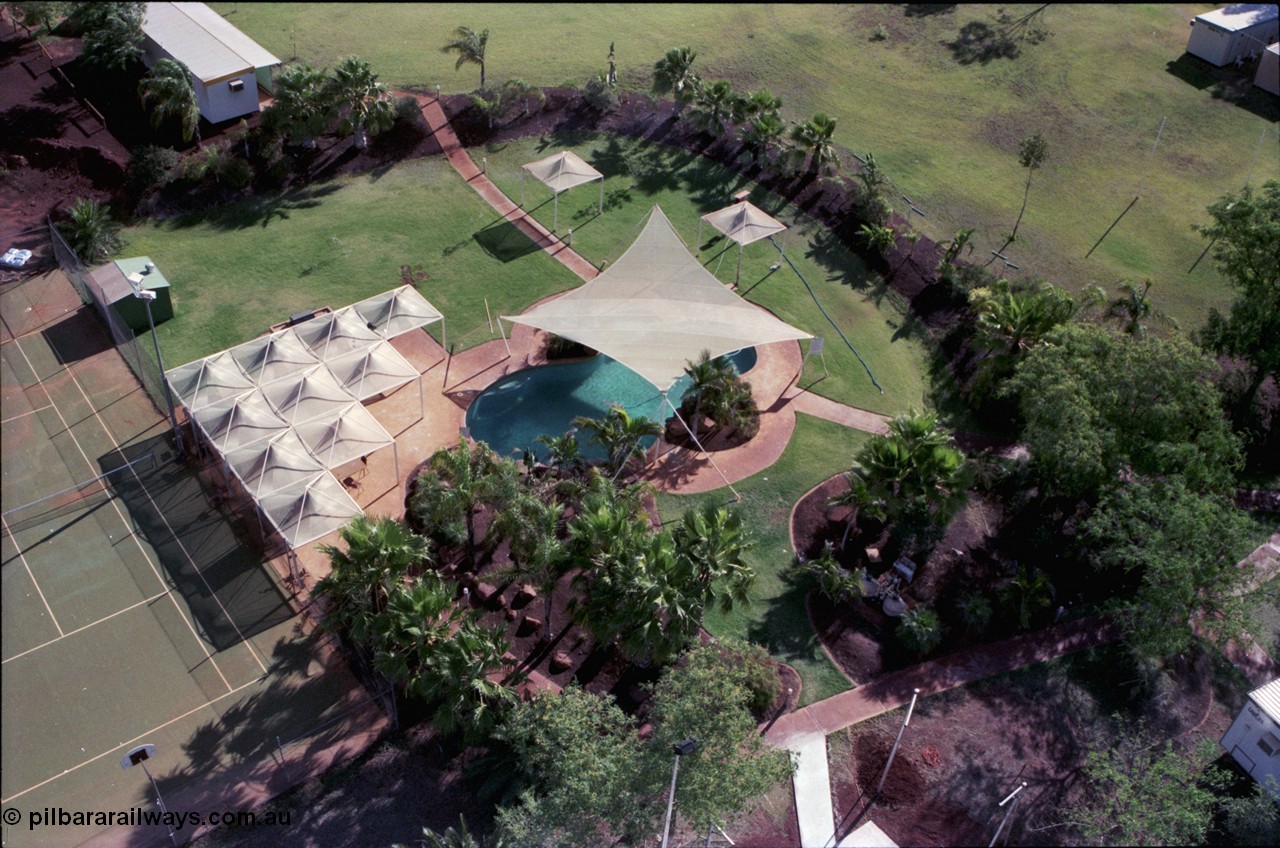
<point>920,631</point>
<point>880,34</point>
<point>974,611</point>
<point>758,673</point>
<point>149,168</point>
<point>407,108</point>
<point>91,232</point>
<point>598,95</point>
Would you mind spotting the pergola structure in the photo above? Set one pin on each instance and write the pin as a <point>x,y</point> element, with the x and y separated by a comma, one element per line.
<point>285,409</point>
<point>656,309</point>
<point>562,172</point>
<point>742,223</point>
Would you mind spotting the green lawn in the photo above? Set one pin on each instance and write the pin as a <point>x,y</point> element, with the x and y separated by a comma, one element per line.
<point>777,618</point>
<point>243,267</point>
<point>946,133</point>
<point>686,187</point>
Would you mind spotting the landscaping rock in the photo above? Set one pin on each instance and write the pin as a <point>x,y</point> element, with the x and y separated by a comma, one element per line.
<point>529,625</point>
<point>524,595</point>
<point>510,615</point>
<point>560,661</point>
<point>484,593</point>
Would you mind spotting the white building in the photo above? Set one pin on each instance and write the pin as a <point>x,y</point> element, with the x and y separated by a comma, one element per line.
<point>227,67</point>
<point>1268,77</point>
<point>1254,737</point>
<point>1234,32</point>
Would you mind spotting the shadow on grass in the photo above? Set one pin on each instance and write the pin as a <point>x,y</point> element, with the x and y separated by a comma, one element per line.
<point>259,211</point>
<point>1227,83</point>
<point>505,242</point>
<point>977,42</point>
<point>784,627</point>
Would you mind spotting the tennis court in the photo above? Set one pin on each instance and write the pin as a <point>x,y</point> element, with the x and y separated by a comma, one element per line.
<point>134,611</point>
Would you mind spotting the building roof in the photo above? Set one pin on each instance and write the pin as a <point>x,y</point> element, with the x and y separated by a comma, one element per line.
<point>1240,16</point>
<point>204,41</point>
<point>1268,698</point>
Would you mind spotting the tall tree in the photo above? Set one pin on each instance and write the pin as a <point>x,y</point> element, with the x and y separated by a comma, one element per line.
<point>815,139</point>
<point>673,74</point>
<point>1100,407</point>
<point>1245,240</point>
<point>456,483</point>
<point>113,38</point>
<point>519,90</point>
<point>366,105</point>
<point>1032,152</point>
<point>757,104</point>
<point>1173,553</point>
<point>714,106</point>
<point>707,380</point>
<point>303,104</point>
<point>168,90</point>
<point>621,435</point>
<point>1133,308</point>
<point>90,231</point>
<point>470,47</point>
<point>763,136</point>
<point>1014,319</point>
<point>538,553</point>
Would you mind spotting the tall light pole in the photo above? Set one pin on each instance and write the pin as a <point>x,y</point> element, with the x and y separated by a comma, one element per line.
<point>915,693</point>
<point>681,749</point>
<point>1008,812</point>
<point>146,296</point>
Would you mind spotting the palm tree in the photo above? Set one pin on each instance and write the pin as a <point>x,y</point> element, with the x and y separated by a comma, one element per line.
<point>378,556</point>
<point>1010,322</point>
<point>408,632</point>
<point>814,139</point>
<point>459,677</point>
<point>714,106</point>
<point>1133,307</point>
<point>91,233</point>
<point>1029,592</point>
<point>564,453</point>
<point>763,136</point>
<point>1031,155</point>
<point>713,542</point>
<point>303,104</point>
<point>674,73</point>
<point>878,238</point>
<point>757,104</point>
<point>168,86</point>
<point>469,45</point>
<point>858,498</point>
<point>620,435</point>
<point>491,104</point>
<point>538,553</point>
<point>518,89</point>
<point>963,241</point>
<point>369,109</point>
<point>470,478</point>
<point>707,378</point>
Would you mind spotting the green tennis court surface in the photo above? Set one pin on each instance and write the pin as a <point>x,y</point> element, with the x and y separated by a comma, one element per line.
<point>133,610</point>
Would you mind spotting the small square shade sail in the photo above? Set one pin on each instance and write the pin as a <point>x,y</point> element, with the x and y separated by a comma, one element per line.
<point>208,381</point>
<point>744,223</point>
<point>279,356</point>
<point>370,373</point>
<point>239,421</point>
<point>305,512</point>
<point>657,308</point>
<point>280,462</point>
<point>313,394</point>
<point>563,171</point>
<point>351,433</point>
<point>336,334</point>
<point>396,312</point>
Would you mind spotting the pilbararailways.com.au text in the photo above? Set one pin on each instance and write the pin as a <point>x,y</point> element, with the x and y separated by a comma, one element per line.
<point>138,817</point>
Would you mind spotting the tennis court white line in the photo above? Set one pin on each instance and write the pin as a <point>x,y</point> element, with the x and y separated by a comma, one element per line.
<point>52,617</point>
<point>87,626</point>
<point>169,527</point>
<point>142,735</point>
<point>25,414</point>
<point>120,514</point>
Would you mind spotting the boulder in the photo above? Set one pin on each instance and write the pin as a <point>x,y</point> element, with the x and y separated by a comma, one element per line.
<point>560,661</point>
<point>524,595</point>
<point>529,625</point>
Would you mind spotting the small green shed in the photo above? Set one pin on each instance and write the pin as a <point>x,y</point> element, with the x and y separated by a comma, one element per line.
<point>113,280</point>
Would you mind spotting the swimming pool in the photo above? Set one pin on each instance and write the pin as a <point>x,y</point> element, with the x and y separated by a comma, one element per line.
<point>511,414</point>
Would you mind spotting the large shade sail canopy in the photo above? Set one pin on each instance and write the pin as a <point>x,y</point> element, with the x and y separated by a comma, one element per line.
<point>306,512</point>
<point>396,312</point>
<point>350,433</point>
<point>337,334</point>
<point>279,356</point>
<point>208,381</point>
<point>657,308</point>
<point>240,421</point>
<point>313,394</point>
<point>562,172</point>
<point>280,462</point>
<point>369,373</point>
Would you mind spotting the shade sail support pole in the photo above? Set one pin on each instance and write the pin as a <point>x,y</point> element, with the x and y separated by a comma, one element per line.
<point>602,192</point>
<point>503,333</point>
<point>555,205</point>
<point>737,275</point>
<point>422,400</point>
<point>522,188</point>
<point>736,494</point>
<point>395,454</point>
<point>698,247</point>
<point>444,333</point>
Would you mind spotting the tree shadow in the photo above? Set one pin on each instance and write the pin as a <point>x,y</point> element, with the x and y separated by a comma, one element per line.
<point>505,242</point>
<point>979,43</point>
<point>259,210</point>
<point>924,10</point>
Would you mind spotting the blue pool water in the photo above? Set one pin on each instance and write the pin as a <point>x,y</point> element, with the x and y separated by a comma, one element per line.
<point>511,414</point>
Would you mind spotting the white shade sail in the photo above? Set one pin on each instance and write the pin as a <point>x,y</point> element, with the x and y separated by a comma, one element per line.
<point>396,312</point>
<point>351,433</point>
<point>312,394</point>
<point>279,356</point>
<point>563,171</point>
<point>657,308</point>
<point>208,381</point>
<point>369,373</point>
<point>744,223</point>
<point>239,421</point>
<point>336,334</point>
<point>306,512</point>
<point>280,462</point>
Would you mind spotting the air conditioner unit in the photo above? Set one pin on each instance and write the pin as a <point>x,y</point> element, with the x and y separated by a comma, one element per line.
<point>236,85</point>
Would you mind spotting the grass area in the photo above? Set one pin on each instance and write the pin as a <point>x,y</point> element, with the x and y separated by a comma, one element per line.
<point>947,133</point>
<point>686,187</point>
<point>251,264</point>
<point>777,618</point>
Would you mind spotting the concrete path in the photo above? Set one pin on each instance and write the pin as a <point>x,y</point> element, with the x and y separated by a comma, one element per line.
<point>812,783</point>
